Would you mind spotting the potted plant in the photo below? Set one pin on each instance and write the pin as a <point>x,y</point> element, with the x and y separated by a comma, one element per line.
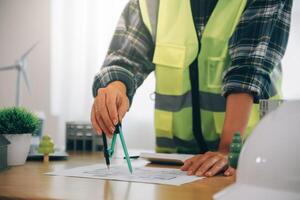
<point>17,125</point>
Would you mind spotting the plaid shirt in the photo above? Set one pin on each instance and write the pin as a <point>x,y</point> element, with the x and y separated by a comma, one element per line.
<point>256,48</point>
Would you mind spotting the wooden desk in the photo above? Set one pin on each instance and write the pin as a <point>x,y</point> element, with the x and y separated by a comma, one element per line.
<point>29,182</point>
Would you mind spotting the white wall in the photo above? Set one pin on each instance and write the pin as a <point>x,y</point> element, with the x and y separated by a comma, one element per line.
<point>22,23</point>
<point>291,65</point>
<point>139,123</point>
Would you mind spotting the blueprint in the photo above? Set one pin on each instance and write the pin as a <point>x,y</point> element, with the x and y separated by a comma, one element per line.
<point>140,174</point>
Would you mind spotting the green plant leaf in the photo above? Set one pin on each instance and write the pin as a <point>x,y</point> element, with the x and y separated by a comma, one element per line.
<point>17,120</point>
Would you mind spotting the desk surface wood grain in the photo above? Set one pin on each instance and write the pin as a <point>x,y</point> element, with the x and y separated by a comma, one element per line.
<point>29,182</point>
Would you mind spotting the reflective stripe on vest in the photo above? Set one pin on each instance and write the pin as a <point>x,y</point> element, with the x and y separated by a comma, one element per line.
<point>173,103</point>
<point>176,47</point>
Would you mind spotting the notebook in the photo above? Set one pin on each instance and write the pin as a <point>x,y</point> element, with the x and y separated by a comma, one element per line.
<point>166,158</point>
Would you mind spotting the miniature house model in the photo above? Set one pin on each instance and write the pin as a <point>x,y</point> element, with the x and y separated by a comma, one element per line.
<point>3,152</point>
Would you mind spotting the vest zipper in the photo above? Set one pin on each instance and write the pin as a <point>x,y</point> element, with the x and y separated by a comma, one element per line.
<point>194,78</point>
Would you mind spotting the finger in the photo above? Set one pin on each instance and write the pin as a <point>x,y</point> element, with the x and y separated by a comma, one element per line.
<point>104,116</point>
<point>95,123</point>
<point>187,163</point>
<point>217,167</point>
<point>97,107</point>
<point>105,129</point>
<point>230,171</point>
<point>111,103</point>
<point>123,107</point>
<point>206,165</point>
<point>197,163</point>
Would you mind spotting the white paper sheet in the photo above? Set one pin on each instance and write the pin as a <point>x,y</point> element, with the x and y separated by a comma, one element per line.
<point>140,174</point>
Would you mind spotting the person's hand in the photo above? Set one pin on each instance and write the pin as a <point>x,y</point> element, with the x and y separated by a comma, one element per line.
<point>109,108</point>
<point>208,164</point>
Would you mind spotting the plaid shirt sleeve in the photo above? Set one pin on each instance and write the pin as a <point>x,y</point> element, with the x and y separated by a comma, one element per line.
<point>257,47</point>
<point>129,58</point>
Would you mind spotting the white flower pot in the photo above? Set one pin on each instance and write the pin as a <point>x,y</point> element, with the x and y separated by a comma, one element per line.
<point>18,149</point>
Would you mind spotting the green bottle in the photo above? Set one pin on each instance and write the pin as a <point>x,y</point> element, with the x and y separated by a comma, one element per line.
<point>235,149</point>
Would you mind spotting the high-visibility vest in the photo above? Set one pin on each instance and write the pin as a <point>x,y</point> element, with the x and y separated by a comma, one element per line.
<point>171,25</point>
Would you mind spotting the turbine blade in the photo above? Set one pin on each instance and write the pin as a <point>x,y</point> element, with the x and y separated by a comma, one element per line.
<point>8,67</point>
<point>26,80</point>
<point>28,51</point>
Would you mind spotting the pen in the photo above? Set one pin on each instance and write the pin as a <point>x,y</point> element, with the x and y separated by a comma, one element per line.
<point>132,157</point>
<point>105,150</point>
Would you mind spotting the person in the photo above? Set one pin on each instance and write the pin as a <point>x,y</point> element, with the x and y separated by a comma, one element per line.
<point>213,61</point>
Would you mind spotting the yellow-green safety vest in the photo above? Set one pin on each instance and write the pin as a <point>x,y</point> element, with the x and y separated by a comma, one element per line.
<point>171,25</point>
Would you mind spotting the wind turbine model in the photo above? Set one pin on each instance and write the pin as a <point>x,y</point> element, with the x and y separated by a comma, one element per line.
<point>21,66</point>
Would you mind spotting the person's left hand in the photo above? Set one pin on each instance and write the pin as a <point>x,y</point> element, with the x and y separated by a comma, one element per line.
<point>208,164</point>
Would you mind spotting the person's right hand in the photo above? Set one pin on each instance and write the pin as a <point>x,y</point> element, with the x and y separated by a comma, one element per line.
<point>109,108</point>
